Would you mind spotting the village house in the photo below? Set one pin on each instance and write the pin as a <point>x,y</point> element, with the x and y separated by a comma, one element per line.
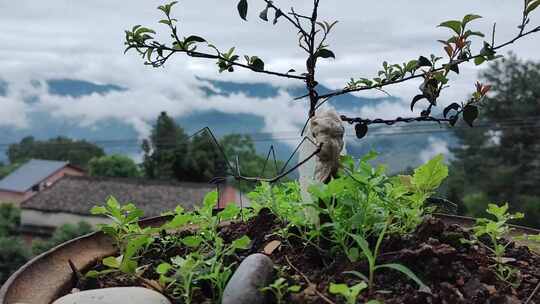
<point>70,199</point>
<point>33,177</point>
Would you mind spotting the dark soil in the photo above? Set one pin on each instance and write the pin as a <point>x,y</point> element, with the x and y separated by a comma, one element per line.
<point>455,272</point>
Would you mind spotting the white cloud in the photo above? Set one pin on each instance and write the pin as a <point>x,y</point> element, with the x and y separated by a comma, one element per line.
<point>436,146</point>
<point>84,40</point>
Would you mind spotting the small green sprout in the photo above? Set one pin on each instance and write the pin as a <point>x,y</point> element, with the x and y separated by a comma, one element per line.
<point>280,288</point>
<point>349,293</point>
<point>495,231</point>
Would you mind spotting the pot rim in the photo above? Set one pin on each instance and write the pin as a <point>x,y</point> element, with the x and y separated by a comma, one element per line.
<point>14,284</point>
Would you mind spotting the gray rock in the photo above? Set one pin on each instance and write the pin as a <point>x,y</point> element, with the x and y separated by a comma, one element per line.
<point>255,272</point>
<point>131,295</point>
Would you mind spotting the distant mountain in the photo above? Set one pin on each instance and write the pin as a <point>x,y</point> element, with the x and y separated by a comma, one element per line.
<point>117,136</point>
<point>78,88</point>
<point>3,87</point>
<point>346,102</point>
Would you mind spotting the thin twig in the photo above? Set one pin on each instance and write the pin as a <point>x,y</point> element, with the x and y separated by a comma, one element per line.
<point>529,299</point>
<point>161,61</point>
<point>322,296</point>
<point>457,62</point>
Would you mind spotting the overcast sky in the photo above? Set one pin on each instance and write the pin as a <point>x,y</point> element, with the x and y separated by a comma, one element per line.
<point>84,40</point>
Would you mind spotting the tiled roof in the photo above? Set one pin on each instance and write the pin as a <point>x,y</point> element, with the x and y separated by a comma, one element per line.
<point>77,195</point>
<point>30,174</point>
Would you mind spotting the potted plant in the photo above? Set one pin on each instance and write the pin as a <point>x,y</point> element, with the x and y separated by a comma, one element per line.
<point>360,236</point>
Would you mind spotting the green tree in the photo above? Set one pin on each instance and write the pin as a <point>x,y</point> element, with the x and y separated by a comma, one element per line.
<point>10,217</point>
<point>77,152</point>
<point>251,163</point>
<point>6,169</point>
<point>13,254</point>
<point>61,235</point>
<point>499,160</point>
<point>205,161</point>
<point>113,166</point>
<point>166,150</point>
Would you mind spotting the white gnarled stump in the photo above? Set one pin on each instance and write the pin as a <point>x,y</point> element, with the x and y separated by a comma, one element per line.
<point>327,128</point>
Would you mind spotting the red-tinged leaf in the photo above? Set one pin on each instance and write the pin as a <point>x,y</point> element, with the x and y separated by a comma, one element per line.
<point>485,89</point>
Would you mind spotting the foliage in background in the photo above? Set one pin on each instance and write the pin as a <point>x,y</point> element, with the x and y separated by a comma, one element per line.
<point>77,152</point>
<point>170,154</point>
<point>501,161</point>
<point>10,217</point>
<point>6,169</point>
<point>13,254</point>
<point>113,166</point>
<point>62,234</point>
<point>165,150</point>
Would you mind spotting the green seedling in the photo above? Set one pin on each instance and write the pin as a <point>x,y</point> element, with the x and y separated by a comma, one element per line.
<point>371,256</point>
<point>496,230</point>
<point>280,288</point>
<point>349,293</point>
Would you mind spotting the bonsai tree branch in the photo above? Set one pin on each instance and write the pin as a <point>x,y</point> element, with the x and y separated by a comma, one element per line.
<point>444,67</point>
<point>312,37</point>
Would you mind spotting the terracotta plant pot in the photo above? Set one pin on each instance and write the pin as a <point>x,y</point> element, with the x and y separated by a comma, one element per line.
<point>48,276</point>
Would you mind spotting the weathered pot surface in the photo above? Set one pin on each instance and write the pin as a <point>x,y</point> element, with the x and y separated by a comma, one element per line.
<point>48,276</point>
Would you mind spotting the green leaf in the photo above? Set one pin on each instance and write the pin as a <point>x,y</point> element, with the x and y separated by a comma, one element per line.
<point>230,212</point>
<point>132,248</point>
<point>364,246</point>
<point>356,289</point>
<point>405,271</point>
<point>241,243</point>
<point>258,64</point>
<point>470,114</point>
<point>192,241</point>
<point>325,53</point>
<point>97,210</point>
<point>430,175</point>
<point>361,130</point>
<point>264,14</point>
<point>469,33</point>
<point>163,268</point>
<point>454,25</point>
<point>294,288</point>
<point>479,60</point>
<point>353,254</point>
<point>194,38</point>
<point>279,13</point>
<point>469,18</point>
<point>243,9</point>
<point>111,262</point>
<point>113,203</point>
<point>210,201</point>
<point>424,62</point>
<point>165,21</point>
<point>532,6</point>
<point>340,289</point>
<point>178,221</point>
<point>143,30</point>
